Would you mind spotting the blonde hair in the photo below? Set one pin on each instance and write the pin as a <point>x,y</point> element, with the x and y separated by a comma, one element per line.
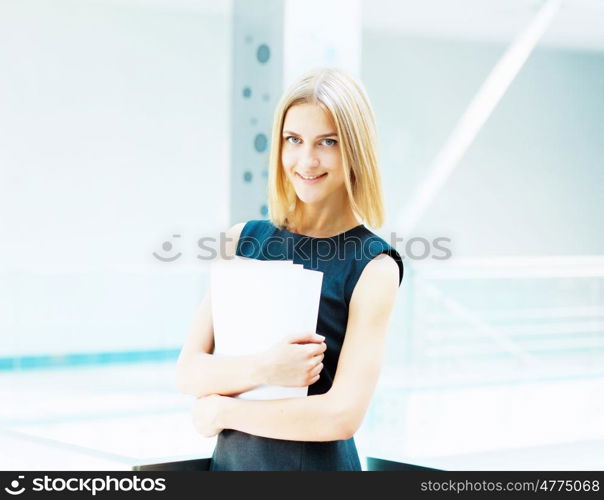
<point>346,101</point>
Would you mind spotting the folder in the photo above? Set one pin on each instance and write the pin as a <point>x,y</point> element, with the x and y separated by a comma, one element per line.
<point>257,304</point>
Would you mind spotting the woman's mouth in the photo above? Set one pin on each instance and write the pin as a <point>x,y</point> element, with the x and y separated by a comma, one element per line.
<point>310,179</point>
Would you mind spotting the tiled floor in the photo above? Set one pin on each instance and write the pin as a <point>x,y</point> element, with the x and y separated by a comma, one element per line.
<point>95,418</point>
<point>116,416</point>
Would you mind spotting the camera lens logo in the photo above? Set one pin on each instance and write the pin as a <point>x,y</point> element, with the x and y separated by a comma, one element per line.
<point>167,247</point>
<point>15,484</point>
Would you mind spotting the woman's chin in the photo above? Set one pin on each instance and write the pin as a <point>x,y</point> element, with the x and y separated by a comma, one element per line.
<point>309,199</point>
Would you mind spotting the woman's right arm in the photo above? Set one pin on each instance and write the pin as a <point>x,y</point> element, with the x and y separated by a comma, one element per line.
<point>295,362</point>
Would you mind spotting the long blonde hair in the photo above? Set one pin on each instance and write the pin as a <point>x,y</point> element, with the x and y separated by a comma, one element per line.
<point>345,99</point>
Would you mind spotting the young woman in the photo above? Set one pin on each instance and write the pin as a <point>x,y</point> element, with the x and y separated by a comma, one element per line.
<point>324,183</point>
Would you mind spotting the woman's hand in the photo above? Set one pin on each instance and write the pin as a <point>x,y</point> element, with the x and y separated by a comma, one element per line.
<point>206,411</point>
<point>295,362</point>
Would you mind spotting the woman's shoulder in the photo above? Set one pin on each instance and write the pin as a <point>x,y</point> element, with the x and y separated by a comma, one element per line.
<point>254,228</point>
<point>376,247</point>
<point>231,239</point>
<point>242,228</point>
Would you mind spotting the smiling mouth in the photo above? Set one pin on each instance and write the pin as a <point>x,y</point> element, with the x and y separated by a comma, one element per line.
<point>310,180</point>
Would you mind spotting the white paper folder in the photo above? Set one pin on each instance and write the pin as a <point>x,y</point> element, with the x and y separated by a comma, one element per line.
<point>256,304</point>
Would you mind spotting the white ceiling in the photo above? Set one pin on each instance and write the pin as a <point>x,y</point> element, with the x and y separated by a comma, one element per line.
<point>579,24</point>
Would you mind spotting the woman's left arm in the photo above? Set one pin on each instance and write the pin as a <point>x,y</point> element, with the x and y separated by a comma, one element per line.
<point>338,413</point>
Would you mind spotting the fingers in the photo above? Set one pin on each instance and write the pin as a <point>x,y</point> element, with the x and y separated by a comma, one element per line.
<point>302,338</point>
<point>313,350</point>
<point>315,360</point>
<point>316,370</point>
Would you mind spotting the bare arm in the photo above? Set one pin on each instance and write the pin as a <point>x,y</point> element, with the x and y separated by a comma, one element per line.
<point>200,373</point>
<point>338,413</point>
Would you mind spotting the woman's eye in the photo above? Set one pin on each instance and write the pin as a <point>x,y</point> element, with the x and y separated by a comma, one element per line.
<point>296,140</point>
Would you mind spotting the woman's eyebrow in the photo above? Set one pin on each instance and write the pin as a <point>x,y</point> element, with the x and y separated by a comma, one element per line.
<point>318,137</point>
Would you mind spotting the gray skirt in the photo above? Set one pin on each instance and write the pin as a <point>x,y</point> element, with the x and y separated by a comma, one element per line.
<point>238,451</point>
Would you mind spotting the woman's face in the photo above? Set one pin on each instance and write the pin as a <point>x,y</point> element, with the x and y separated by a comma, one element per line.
<point>310,153</point>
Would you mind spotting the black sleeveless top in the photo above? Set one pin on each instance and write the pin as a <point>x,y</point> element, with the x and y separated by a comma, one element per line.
<point>342,259</point>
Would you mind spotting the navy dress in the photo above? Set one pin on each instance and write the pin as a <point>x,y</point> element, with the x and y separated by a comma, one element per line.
<point>342,259</point>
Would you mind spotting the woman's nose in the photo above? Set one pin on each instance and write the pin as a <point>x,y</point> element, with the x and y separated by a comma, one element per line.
<point>308,159</point>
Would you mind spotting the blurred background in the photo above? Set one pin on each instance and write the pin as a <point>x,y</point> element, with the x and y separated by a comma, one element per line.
<point>131,129</point>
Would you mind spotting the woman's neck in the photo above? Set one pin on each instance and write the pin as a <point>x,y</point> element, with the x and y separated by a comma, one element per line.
<point>322,223</point>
